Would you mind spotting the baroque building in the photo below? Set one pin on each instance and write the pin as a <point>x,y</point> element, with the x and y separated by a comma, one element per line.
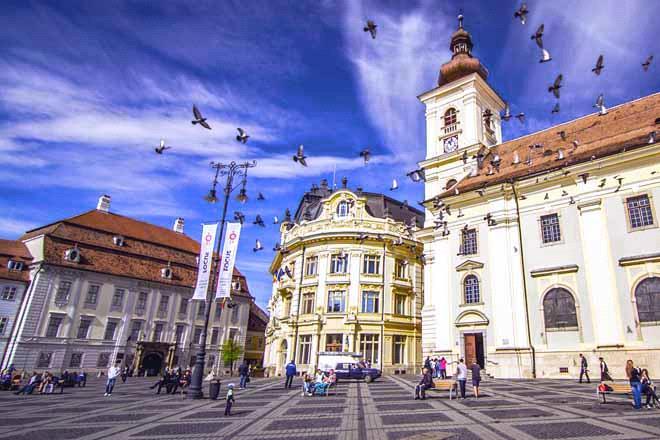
<point>106,287</point>
<point>551,241</point>
<point>347,277</point>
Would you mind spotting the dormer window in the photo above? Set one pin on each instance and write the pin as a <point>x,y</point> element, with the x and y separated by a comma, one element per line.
<point>72,255</point>
<point>236,285</point>
<point>343,209</point>
<point>450,117</point>
<point>166,272</point>
<point>118,240</point>
<point>14,265</point>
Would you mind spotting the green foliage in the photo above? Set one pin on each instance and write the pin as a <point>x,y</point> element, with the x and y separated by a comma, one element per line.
<point>231,352</point>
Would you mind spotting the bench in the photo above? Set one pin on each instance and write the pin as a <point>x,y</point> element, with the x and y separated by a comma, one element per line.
<point>616,388</point>
<point>445,385</point>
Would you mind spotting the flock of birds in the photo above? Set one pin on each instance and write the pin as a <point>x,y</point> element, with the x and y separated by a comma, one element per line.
<point>555,88</point>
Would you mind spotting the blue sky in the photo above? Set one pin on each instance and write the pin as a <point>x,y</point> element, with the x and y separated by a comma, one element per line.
<point>87,89</point>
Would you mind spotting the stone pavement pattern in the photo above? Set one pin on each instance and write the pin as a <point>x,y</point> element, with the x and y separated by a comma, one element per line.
<point>542,409</point>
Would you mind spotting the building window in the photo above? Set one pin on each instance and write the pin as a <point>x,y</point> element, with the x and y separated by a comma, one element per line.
<point>401,269</point>
<point>311,266</point>
<point>218,311</point>
<point>44,360</point>
<point>471,289</point>
<point>53,328</point>
<point>371,264</point>
<point>370,302</point>
<point>308,303</point>
<point>550,231</point>
<point>83,328</point>
<point>136,328</point>
<point>76,360</point>
<point>180,330</point>
<point>158,332</point>
<point>398,349</point>
<point>639,211</point>
<point>215,332</point>
<point>14,265</point>
<point>468,242</point>
<point>232,334</point>
<point>343,209</point>
<point>399,304</point>
<point>304,349</point>
<point>336,301</point>
<point>559,310</point>
<point>450,117</point>
<point>201,309</point>
<point>334,342</point>
<point>103,360</point>
<point>117,299</point>
<point>92,295</point>
<point>110,329</point>
<point>338,263</point>
<point>163,305</point>
<point>234,313</point>
<point>369,347</point>
<point>141,304</point>
<point>183,306</point>
<point>62,294</point>
<point>9,293</point>
<point>3,324</point>
<point>647,296</point>
<point>197,337</point>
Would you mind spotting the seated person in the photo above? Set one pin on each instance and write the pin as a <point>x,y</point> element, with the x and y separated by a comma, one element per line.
<point>322,386</point>
<point>425,383</point>
<point>31,385</point>
<point>308,383</point>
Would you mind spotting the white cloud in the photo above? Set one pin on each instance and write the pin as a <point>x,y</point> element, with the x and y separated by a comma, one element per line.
<point>13,227</point>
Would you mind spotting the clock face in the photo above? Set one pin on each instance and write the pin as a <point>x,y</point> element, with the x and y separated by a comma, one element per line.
<point>451,144</point>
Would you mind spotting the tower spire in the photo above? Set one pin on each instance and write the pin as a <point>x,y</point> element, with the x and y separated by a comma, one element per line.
<point>460,21</point>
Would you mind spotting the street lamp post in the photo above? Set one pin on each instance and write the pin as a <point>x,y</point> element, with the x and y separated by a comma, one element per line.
<point>230,170</point>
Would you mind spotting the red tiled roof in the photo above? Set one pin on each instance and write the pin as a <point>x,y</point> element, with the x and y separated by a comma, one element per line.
<point>258,320</point>
<point>624,127</point>
<point>14,250</point>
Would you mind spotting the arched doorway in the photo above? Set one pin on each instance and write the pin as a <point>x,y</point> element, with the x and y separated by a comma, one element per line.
<point>153,363</point>
<point>281,356</point>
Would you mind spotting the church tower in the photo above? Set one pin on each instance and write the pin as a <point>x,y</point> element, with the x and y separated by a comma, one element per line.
<point>455,121</point>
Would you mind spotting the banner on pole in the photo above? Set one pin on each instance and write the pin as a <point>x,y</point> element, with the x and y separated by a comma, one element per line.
<point>205,260</point>
<point>227,259</point>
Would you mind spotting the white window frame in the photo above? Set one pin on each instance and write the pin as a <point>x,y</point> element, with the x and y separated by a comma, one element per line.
<point>334,294</point>
<point>370,298</point>
<point>371,264</point>
<point>9,293</point>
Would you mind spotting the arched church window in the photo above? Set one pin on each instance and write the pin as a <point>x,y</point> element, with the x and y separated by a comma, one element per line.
<point>343,209</point>
<point>647,296</point>
<point>450,183</point>
<point>450,117</point>
<point>559,309</point>
<point>471,289</point>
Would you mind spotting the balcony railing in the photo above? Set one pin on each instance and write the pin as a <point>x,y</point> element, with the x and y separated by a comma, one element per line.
<point>451,128</point>
<point>162,314</point>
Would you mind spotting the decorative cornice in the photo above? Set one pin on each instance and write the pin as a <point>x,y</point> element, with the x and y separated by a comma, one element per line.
<point>469,265</point>
<point>554,270</point>
<point>590,205</point>
<point>639,259</point>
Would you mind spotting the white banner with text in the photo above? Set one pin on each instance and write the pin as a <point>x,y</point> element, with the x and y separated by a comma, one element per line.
<point>205,260</point>
<point>227,259</point>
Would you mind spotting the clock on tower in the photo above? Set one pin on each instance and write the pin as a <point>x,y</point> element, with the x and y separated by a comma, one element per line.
<point>450,144</point>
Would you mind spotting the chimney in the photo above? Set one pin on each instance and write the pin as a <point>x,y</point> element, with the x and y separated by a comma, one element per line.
<point>178,225</point>
<point>324,184</point>
<point>344,182</point>
<point>104,203</point>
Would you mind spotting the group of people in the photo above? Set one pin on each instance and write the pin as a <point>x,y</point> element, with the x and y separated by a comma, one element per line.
<point>460,375</point>
<point>43,383</point>
<point>318,384</point>
<point>172,380</point>
<point>641,384</point>
<point>437,367</point>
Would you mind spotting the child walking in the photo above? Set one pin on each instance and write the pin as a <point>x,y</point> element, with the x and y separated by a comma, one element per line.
<point>229,398</point>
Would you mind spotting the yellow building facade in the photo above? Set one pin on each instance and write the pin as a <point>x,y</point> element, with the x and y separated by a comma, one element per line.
<point>348,278</point>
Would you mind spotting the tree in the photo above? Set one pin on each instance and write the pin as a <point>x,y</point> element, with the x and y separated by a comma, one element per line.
<point>231,352</point>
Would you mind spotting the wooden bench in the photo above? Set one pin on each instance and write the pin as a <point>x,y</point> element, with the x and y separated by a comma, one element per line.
<point>616,388</point>
<point>445,385</point>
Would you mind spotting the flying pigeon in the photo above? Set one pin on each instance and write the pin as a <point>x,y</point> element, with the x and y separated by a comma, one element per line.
<point>599,65</point>
<point>507,113</point>
<point>600,105</point>
<point>564,193</point>
<point>199,119</point>
<point>571,201</point>
<point>161,148</point>
<point>490,220</point>
<point>239,217</point>
<point>602,183</point>
<point>300,156</point>
<point>257,246</point>
<point>652,137</point>
<point>371,28</point>
<point>464,157</point>
<point>366,155</point>
<point>521,117</point>
<point>242,136</point>
<point>560,154</point>
<point>584,177</point>
<point>277,248</point>
<point>460,213</point>
<point>555,109</point>
<point>647,63</point>
<point>276,220</point>
<point>554,88</point>
<point>395,185</point>
<point>260,196</point>
<point>546,197</point>
<point>259,221</point>
<point>562,135</point>
<point>521,13</point>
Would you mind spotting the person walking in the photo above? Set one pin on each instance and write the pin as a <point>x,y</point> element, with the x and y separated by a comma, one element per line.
<point>461,376</point>
<point>424,384</point>
<point>584,368</point>
<point>476,378</point>
<point>82,379</point>
<point>244,373</point>
<point>634,375</point>
<point>290,372</point>
<point>229,398</point>
<point>124,374</point>
<point>427,363</point>
<point>604,371</point>
<point>113,373</point>
<point>443,367</point>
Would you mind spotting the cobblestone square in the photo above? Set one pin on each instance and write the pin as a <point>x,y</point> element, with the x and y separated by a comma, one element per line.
<point>506,410</point>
